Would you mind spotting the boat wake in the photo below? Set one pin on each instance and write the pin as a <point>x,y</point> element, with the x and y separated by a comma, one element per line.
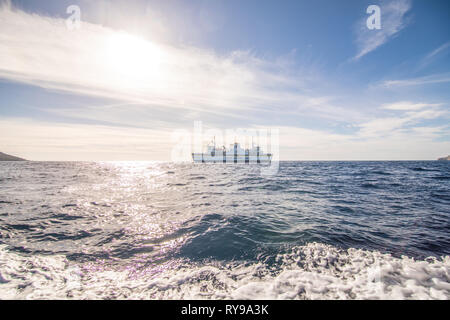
<point>313,271</point>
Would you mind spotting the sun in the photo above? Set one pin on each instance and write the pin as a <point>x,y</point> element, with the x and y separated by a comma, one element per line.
<point>133,61</point>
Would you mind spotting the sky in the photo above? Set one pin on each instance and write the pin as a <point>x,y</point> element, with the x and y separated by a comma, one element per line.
<point>130,81</point>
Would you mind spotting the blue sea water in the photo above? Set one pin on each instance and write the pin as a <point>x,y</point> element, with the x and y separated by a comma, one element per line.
<point>339,230</point>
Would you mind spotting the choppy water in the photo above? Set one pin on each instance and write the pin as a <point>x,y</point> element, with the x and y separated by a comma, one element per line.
<point>340,230</point>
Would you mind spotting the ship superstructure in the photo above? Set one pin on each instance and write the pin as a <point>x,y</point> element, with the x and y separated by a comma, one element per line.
<point>234,154</point>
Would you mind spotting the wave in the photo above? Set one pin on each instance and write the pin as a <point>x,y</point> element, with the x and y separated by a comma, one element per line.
<point>380,172</point>
<point>441,178</point>
<point>312,271</point>
<point>370,186</point>
<point>424,169</point>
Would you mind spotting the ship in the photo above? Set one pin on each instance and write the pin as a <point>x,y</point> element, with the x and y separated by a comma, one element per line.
<point>234,154</point>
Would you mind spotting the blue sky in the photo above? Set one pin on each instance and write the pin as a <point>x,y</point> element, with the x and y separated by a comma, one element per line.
<point>135,72</point>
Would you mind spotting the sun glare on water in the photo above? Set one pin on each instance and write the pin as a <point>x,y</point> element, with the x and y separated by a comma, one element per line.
<point>134,61</point>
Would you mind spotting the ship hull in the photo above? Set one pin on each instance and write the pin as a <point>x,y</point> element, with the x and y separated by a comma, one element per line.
<point>230,158</point>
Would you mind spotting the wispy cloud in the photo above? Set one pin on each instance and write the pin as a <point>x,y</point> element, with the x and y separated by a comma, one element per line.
<point>103,62</point>
<point>408,105</point>
<point>440,49</point>
<point>45,140</point>
<point>193,83</point>
<point>431,79</point>
<point>375,140</point>
<point>393,20</point>
<point>401,133</point>
<point>410,114</point>
<point>434,55</point>
<point>382,139</point>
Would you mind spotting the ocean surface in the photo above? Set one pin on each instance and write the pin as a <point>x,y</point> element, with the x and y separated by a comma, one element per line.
<point>147,230</point>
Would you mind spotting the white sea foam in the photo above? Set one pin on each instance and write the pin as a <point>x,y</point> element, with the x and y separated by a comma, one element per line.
<point>313,271</point>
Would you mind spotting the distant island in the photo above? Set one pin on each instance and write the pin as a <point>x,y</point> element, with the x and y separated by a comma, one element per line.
<point>447,158</point>
<point>7,157</point>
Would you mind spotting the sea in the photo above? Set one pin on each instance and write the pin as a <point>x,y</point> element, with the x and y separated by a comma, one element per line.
<point>155,230</point>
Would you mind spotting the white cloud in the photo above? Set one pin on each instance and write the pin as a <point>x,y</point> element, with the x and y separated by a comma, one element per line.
<point>42,52</point>
<point>412,114</point>
<point>41,140</point>
<point>393,20</point>
<point>381,139</point>
<point>417,143</point>
<point>381,127</point>
<point>431,79</point>
<point>407,105</point>
<point>103,62</point>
